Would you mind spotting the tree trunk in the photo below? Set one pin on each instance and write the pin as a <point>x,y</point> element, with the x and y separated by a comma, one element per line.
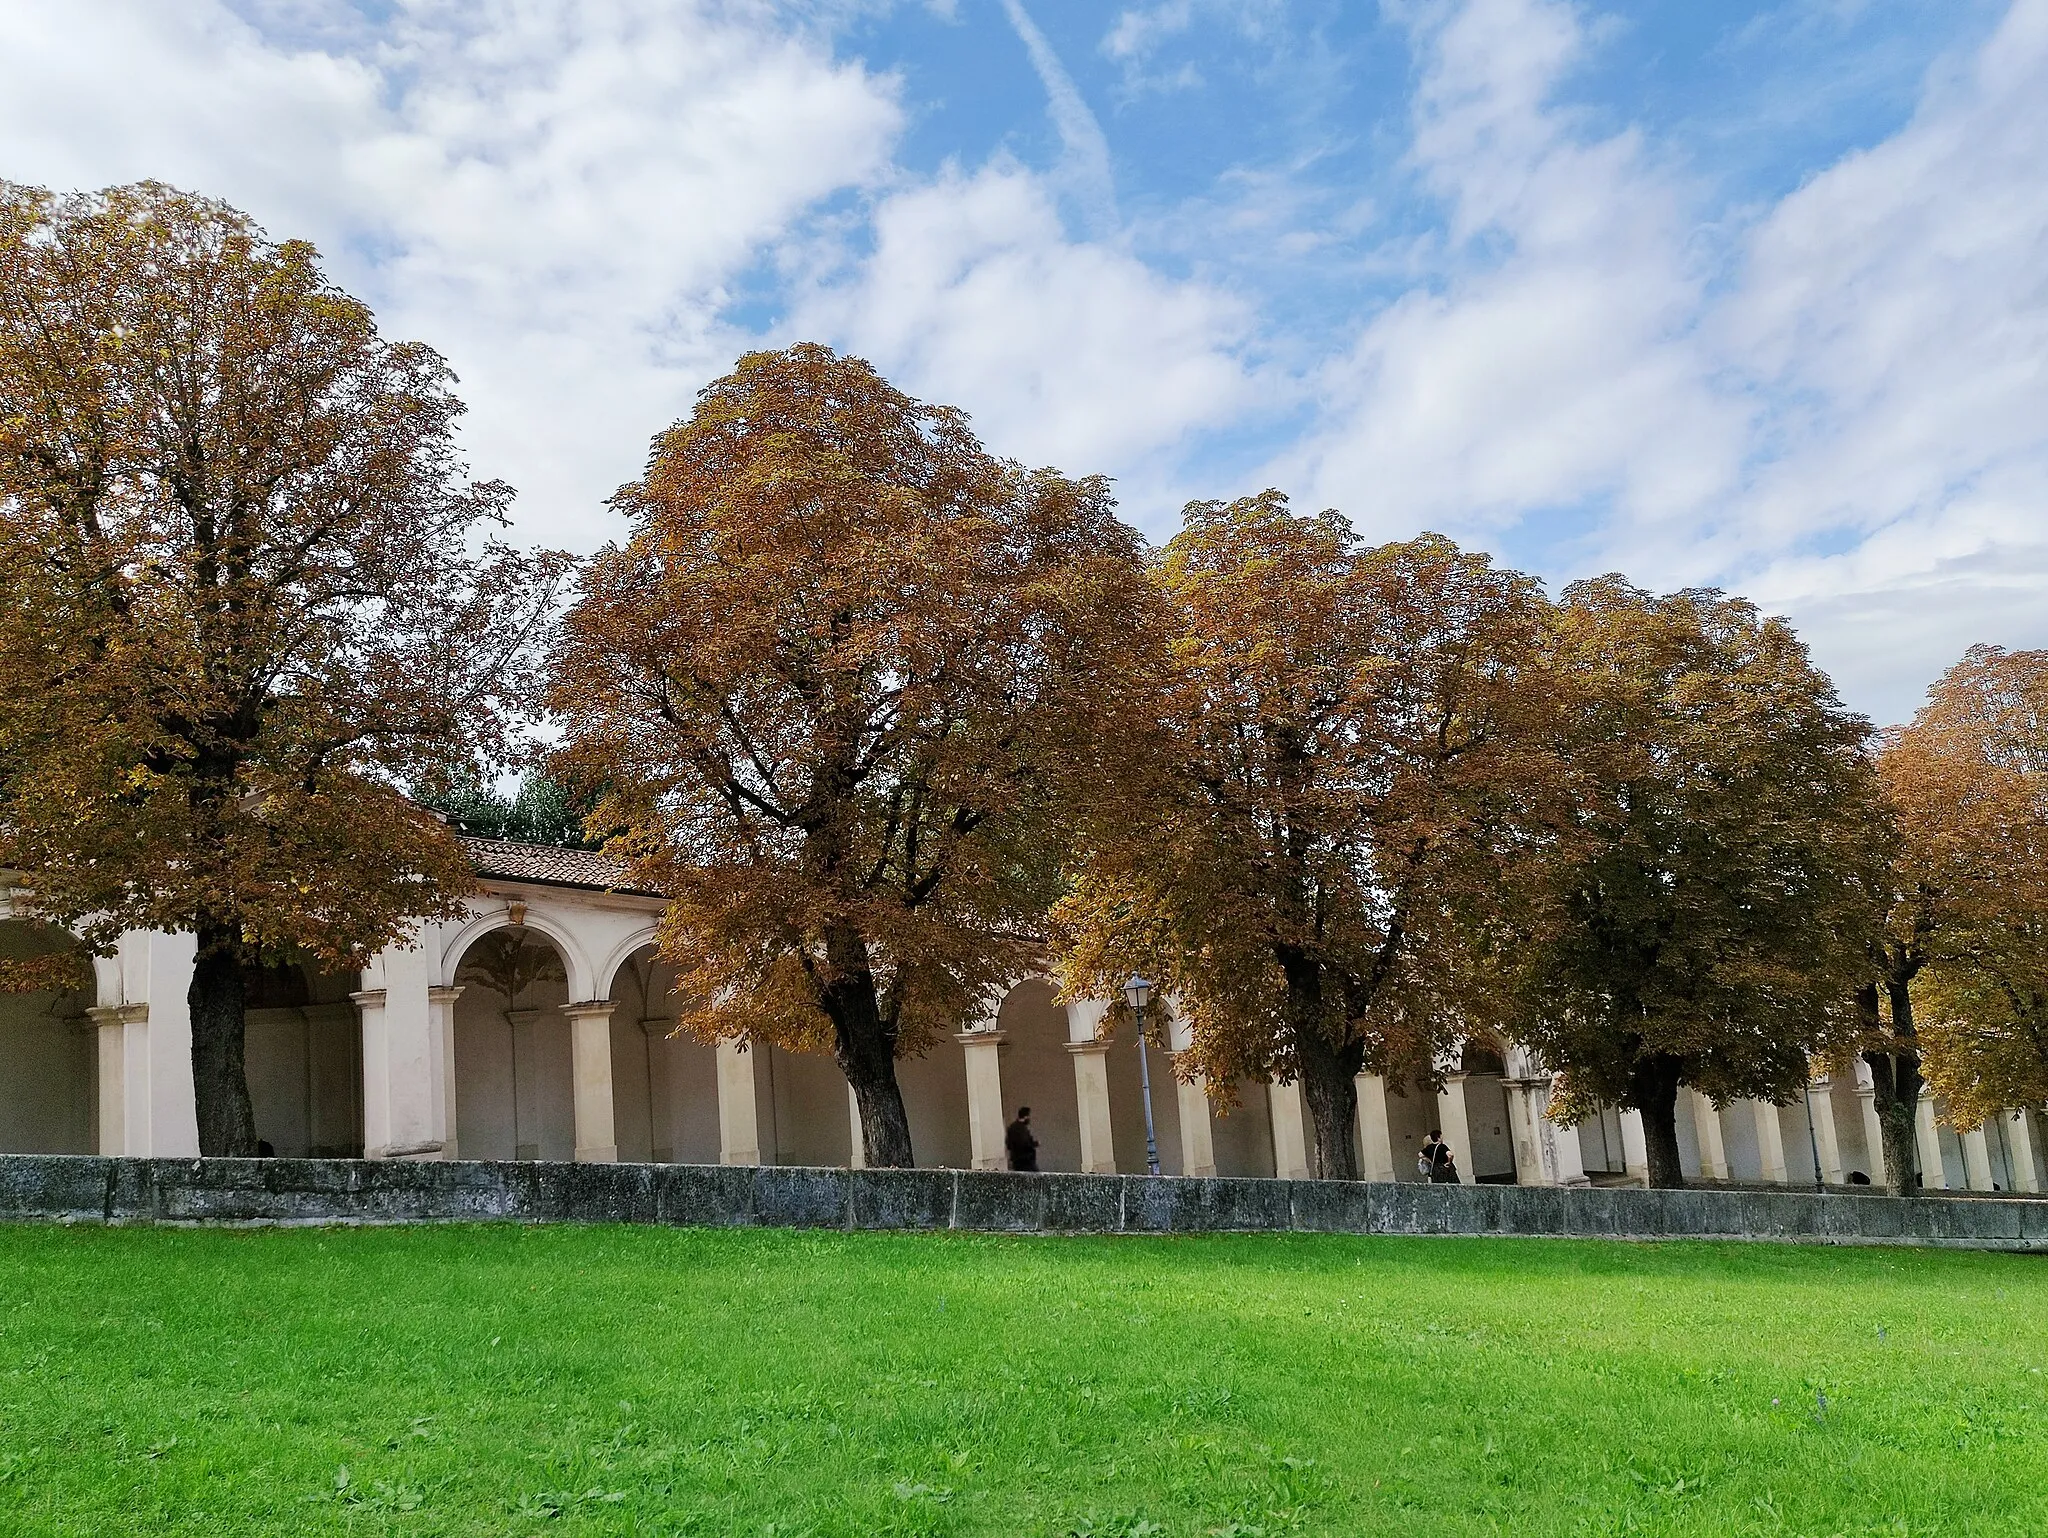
<point>1896,1084</point>
<point>1654,1092</point>
<point>865,1050</point>
<point>1329,1094</point>
<point>1326,1071</point>
<point>220,1078</point>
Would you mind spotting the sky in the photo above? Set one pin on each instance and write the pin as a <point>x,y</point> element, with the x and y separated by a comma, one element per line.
<point>1750,294</point>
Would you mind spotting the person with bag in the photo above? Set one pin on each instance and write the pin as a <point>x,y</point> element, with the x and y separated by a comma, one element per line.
<point>1437,1161</point>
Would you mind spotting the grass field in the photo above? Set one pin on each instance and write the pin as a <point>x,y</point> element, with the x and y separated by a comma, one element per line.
<point>645,1381</point>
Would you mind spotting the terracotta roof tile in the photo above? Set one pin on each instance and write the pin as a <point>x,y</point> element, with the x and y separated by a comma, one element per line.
<point>510,861</point>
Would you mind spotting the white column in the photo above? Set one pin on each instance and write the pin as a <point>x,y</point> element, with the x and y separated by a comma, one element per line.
<point>1091,1104</point>
<point>116,1105</point>
<point>2019,1142</point>
<point>1525,1121</point>
<point>441,1059</point>
<point>1197,1132</point>
<point>1706,1121</point>
<point>857,1144</point>
<point>590,1067</point>
<point>406,1080</point>
<point>1770,1140</point>
<point>985,1123</point>
<point>156,1069</point>
<point>1455,1124</point>
<point>1375,1141</point>
<point>1820,1104</point>
<point>1566,1161</point>
<point>1635,1146</point>
<point>1977,1160</point>
<point>1873,1125</point>
<point>1933,1173</point>
<point>739,1118</point>
<point>1290,1140</point>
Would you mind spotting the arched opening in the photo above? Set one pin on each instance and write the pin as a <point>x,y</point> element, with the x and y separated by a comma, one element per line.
<point>514,1086</point>
<point>48,1102</point>
<point>664,1086</point>
<point>1486,1117</point>
<point>1038,1071</point>
<point>1241,1130</point>
<point>302,1047</point>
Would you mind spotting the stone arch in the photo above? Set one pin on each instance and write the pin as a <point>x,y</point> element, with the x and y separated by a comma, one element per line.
<point>1038,1070</point>
<point>303,1051</point>
<point>48,1091</point>
<point>575,960</point>
<point>513,1072</point>
<point>607,975</point>
<point>664,1085</point>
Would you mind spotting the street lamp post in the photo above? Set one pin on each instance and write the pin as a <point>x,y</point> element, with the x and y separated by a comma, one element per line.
<point>1136,992</point>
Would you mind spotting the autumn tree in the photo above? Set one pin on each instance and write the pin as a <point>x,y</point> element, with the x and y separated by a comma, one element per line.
<point>1708,912</point>
<point>1968,785</point>
<point>837,686</point>
<point>242,596</point>
<point>1305,835</point>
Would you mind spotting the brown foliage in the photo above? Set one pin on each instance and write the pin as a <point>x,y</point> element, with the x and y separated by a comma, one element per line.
<point>241,600</point>
<point>1708,909</point>
<point>837,685</point>
<point>1968,785</point>
<point>1304,834</point>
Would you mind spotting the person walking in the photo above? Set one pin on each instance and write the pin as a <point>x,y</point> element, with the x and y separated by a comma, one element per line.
<point>1021,1143</point>
<point>1443,1164</point>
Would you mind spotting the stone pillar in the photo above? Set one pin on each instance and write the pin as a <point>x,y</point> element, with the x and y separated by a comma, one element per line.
<point>857,1138</point>
<point>1635,1146</point>
<point>406,1077</point>
<point>739,1119</point>
<point>1566,1161</point>
<point>1375,1141</point>
<point>590,1065</point>
<point>441,1028</point>
<point>1455,1124</point>
<point>1933,1173</point>
<point>985,1122</point>
<point>1770,1141</point>
<point>1873,1126</point>
<point>1977,1160</point>
<point>2019,1143</point>
<point>1290,1139</point>
<point>1706,1122</point>
<point>116,1103</point>
<point>1525,1121</point>
<point>1197,1133</point>
<point>1820,1105</point>
<point>1091,1103</point>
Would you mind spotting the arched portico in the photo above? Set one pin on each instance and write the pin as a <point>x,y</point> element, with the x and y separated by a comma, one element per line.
<point>48,1097</point>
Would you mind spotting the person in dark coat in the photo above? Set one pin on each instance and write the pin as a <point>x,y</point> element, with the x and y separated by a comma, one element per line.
<point>1020,1141</point>
<point>1443,1167</point>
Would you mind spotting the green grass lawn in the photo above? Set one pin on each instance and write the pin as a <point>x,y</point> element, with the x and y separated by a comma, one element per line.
<point>648,1381</point>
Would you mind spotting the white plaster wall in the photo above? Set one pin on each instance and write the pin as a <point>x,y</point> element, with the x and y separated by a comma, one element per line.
<point>1411,1113</point>
<point>1242,1134</point>
<point>1486,1113</point>
<point>1849,1135</point>
<point>1688,1136</point>
<point>514,1090</point>
<point>935,1101</point>
<point>808,1118</point>
<point>1127,1105</point>
<point>48,1058</point>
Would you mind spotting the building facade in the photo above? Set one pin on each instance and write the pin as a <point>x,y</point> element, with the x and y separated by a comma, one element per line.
<point>542,1026</point>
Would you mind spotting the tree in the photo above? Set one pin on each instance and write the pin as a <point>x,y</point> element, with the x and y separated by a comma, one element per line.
<point>541,811</point>
<point>836,688</point>
<point>243,597</point>
<point>1709,909</point>
<point>1968,783</point>
<point>1308,833</point>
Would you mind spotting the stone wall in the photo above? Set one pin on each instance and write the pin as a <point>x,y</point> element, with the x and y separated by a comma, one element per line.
<point>75,1188</point>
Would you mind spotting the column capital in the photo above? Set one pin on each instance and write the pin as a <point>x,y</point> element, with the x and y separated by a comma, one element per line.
<point>1080,1048</point>
<point>369,998</point>
<point>590,1009</point>
<point>118,1014</point>
<point>444,995</point>
<point>979,1038</point>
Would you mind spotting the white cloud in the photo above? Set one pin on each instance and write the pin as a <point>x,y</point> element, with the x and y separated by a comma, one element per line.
<point>1553,363</point>
<point>556,193</point>
<point>1086,165</point>
<point>1863,370</point>
<point>1069,353</point>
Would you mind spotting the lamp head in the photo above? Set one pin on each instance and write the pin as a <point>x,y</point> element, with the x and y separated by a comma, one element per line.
<point>1137,991</point>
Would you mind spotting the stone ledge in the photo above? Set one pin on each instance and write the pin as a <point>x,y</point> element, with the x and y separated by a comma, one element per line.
<point>72,1189</point>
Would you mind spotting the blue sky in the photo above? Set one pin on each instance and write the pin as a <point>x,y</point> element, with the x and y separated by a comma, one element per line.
<point>1743,293</point>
